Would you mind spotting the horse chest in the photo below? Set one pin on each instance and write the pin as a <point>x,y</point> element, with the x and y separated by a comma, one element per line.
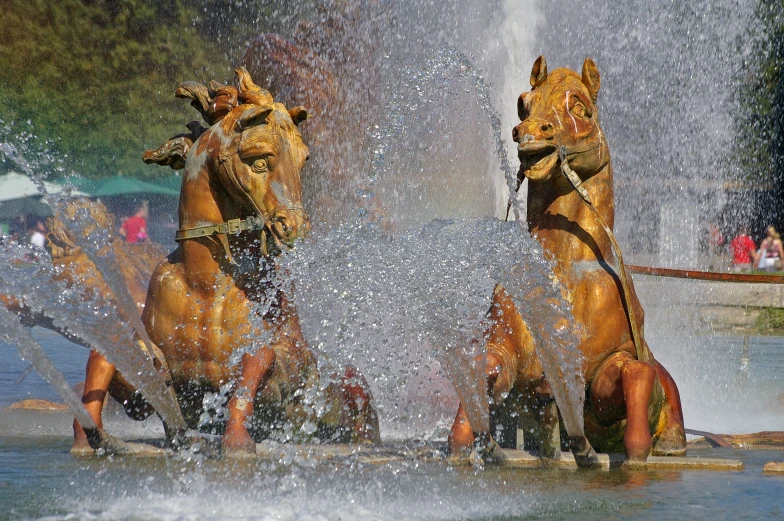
<point>596,295</point>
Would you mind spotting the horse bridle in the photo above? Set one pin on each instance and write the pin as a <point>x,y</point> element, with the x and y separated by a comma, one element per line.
<point>236,226</point>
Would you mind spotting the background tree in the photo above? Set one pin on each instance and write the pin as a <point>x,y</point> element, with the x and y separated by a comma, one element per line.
<point>87,85</point>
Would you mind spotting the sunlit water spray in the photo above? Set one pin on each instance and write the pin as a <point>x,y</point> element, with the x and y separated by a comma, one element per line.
<point>395,306</point>
<point>443,79</point>
<point>85,314</point>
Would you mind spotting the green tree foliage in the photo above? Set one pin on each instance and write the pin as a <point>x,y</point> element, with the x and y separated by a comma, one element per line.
<point>761,94</point>
<point>90,83</point>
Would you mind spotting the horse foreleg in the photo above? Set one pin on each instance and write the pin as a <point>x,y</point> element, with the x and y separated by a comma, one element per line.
<point>499,383</point>
<point>356,402</point>
<point>622,388</point>
<point>99,374</point>
<point>506,335</point>
<point>670,436</point>
<point>637,379</point>
<point>255,371</point>
<point>461,436</point>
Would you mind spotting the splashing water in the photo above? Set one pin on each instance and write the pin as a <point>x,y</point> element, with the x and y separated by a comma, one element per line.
<point>75,312</point>
<point>423,86</point>
<point>12,332</point>
<point>395,306</point>
<point>432,87</point>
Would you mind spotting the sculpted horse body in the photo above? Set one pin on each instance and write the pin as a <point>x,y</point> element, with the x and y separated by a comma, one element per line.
<point>215,296</point>
<point>632,403</point>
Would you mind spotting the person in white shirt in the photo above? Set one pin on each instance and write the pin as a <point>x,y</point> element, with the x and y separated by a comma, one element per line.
<point>38,238</point>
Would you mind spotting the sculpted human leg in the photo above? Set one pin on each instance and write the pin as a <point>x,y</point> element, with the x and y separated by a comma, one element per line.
<point>255,371</point>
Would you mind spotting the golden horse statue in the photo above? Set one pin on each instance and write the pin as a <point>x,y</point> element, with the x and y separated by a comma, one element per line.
<point>632,403</point>
<point>213,308</point>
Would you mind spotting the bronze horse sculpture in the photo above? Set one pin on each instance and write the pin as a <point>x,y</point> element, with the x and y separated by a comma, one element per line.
<point>632,403</point>
<point>212,298</point>
<point>75,269</point>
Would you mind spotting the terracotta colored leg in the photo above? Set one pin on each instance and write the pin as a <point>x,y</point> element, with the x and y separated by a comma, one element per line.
<point>255,371</point>
<point>671,392</point>
<point>99,374</point>
<point>670,435</point>
<point>356,401</point>
<point>499,382</point>
<point>637,379</point>
<point>461,437</point>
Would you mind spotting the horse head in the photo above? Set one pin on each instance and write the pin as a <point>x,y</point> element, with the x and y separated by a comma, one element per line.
<point>252,154</point>
<point>60,239</point>
<point>260,154</point>
<point>559,120</point>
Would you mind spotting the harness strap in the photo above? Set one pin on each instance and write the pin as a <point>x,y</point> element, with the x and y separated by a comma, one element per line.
<point>574,179</point>
<point>643,353</point>
<point>230,227</point>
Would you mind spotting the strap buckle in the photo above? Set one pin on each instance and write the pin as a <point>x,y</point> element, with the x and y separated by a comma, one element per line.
<point>233,226</point>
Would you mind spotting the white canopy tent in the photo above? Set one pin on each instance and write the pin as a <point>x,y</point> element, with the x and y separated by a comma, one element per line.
<point>19,186</point>
<point>20,196</point>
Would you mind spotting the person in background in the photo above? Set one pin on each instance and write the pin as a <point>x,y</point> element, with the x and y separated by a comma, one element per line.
<point>134,228</point>
<point>771,251</point>
<point>38,237</point>
<point>744,251</point>
<point>716,249</point>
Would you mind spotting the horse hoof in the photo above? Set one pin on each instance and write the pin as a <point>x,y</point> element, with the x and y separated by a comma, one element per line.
<point>634,464</point>
<point>82,450</point>
<point>668,451</point>
<point>101,442</point>
<point>239,453</point>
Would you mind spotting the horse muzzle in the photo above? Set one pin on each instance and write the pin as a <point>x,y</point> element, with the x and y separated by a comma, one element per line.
<point>290,224</point>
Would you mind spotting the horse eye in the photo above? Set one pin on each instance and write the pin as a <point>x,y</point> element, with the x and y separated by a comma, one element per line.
<point>579,110</point>
<point>260,165</point>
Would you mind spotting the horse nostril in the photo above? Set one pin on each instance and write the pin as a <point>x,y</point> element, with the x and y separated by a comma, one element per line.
<point>515,134</point>
<point>547,127</point>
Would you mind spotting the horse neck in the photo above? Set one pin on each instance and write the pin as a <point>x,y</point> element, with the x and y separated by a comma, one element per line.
<point>203,202</point>
<point>564,225</point>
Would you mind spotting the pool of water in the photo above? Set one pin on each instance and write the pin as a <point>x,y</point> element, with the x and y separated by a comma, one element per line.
<point>39,479</point>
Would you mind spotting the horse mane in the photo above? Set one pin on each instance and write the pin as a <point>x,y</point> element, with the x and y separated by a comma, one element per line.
<point>213,101</point>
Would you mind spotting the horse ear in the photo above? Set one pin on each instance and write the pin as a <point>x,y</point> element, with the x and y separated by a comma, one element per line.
<point>252,117</point>
<point>591,78</point>
<point>539,72</point>
<point>298,115</point>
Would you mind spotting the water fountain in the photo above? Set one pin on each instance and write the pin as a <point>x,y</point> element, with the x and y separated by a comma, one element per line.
<point>364,284</point>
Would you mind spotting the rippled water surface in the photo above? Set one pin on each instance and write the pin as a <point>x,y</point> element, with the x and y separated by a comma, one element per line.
<point>39,479</point>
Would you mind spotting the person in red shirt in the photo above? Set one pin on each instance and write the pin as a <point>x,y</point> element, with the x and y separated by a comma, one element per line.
<point>134,229</point>
<point>744,251</point>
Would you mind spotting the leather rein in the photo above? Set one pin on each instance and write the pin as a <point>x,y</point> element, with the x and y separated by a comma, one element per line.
<point>643,353</point>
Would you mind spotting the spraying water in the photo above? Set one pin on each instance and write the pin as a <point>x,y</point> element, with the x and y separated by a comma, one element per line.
<point>393,305</point>
<point>12,332</point>
<point>41,290</point>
